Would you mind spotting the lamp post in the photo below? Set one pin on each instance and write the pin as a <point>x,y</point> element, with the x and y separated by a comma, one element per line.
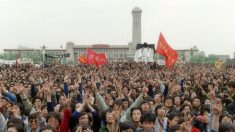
<point>43,53</point>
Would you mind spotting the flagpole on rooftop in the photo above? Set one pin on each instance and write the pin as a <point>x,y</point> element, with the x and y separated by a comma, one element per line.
<point>43,56</point>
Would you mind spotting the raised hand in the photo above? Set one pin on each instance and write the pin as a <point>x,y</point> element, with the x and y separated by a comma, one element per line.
<point>46,89</point>
<point>218,107</point>
<point>117,113</point>
<point>94,87</point>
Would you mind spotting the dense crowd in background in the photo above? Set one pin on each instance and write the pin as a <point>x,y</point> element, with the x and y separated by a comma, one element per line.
<point>117,97</point>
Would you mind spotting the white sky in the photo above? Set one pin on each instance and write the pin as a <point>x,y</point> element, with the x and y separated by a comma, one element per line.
<point>208,24</point>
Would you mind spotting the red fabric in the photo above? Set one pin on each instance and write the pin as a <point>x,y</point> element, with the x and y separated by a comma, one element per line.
<point>90,56</point>
<point>95,58</point>
<point>164,49</point>
<point>82,59</point>
<point>64,126</point>
<point>194,129</point>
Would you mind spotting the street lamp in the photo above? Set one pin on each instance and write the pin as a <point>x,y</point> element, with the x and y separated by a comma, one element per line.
<point>43,53</point>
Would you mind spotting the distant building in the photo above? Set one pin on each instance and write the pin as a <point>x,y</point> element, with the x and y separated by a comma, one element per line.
<point>188,54</point>
<point>223,58</point>
<point>30,52</point>
<point>112,52</point>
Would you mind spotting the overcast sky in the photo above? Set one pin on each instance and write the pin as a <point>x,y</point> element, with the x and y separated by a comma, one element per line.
<point>208,24</point>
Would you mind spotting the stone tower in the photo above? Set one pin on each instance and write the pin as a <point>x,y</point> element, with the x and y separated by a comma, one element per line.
<point>136,28</point>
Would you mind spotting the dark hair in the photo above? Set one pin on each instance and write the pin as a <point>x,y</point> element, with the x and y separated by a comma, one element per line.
<point>169,98</point>
<point>15,121</point>
<point>90,118</point>
<point>18,127</point>
<point>103,115</point>
<point>126,125</point>
<point>172,115</point>
<point>37,98</point>
<point>183,106</point>
<point>125,99</point>
<point>118,102</point>
<point>53,115</point>
<point>231,84</point>
<point>224,115</point>
<point>33,116</point>
<point>148,116</point>
<point>133,109</point>
<point>144,102</point>
<point>174,128</point>
<point>158,107</point>
<point>205,109</point>
<point>21,107</point>
<point>226,127</point>
<point>47,127</point>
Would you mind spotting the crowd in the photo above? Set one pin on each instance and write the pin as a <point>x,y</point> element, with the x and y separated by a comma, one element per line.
<point>117,97</point>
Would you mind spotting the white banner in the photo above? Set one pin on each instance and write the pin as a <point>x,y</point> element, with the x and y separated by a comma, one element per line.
<point>19,61</point>
<point>144,55</point>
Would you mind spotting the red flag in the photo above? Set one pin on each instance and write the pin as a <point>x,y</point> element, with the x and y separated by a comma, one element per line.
<point>90,56</point>
<point>101,59</point>
<point>94,58</point>
<point>82,59</point>
<point>164,49</point>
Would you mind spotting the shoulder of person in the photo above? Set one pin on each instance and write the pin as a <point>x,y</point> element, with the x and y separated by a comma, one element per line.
<point>139,129</point>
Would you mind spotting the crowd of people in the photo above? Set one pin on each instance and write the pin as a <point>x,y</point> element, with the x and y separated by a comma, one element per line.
<point>117,97</point>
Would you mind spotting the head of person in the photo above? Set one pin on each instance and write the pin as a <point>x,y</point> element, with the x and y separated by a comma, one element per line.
<point>14,122</point>
<point>205,114</point>
<point>33,121</point>
<point>160,111</point>
<point>37,102</point>
<point>18,108</point>
<point>177,100</point>
<point>44,111</point>
<point>185,108</point>
<point>134,92</point>
<point>62,99</point>
<point>231,87</point>
<point>158,97</point>
<point>125,91</point>
<point>125,102</point>
<point>173,119</point>
<point>47,129</point>
<point>83,128</point>
<point>193,95</point>
<point>5,101</point>
<point>168,102</point>
<point>15,128</point>
<point>226,127</point>
<point>135,114</point>
<point>196,102</point>
<point>113,93</point>
<point>145,106</point>
<point>175,128</point>
<point>225,118</point>
<point>85,118</point>
<point>151,101</point>
<point>127,127</point>
<point>108,116</point>
<point>53,120</point>
<point>147,121</point>
<point>117,104</point>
